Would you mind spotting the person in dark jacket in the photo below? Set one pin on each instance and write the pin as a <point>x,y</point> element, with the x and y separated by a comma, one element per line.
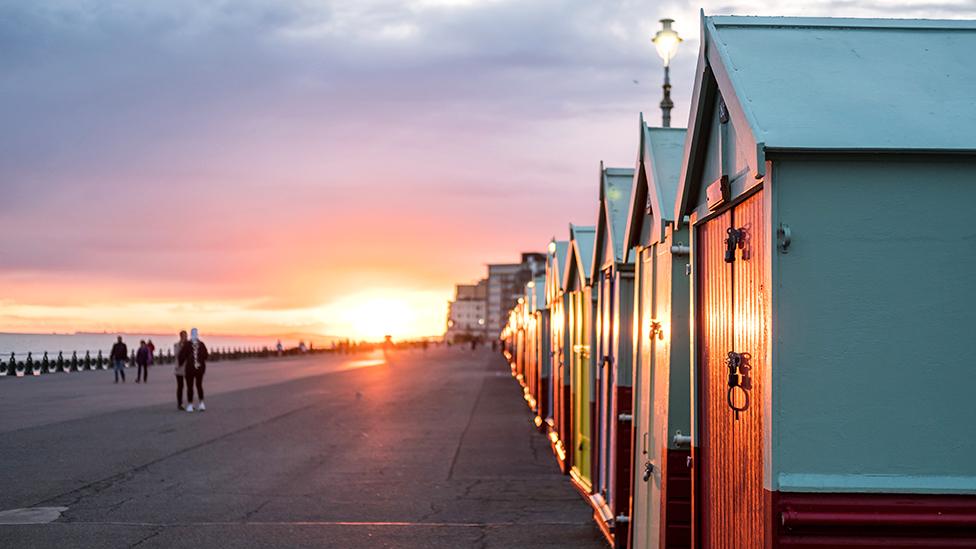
<point>118,356</point>
<point>142,362</point>
<point>180,369</point>
<point>194,356</point>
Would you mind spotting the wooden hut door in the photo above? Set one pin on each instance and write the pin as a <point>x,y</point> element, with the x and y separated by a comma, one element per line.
<point>646,497</point>
<point>605,387</point>
<point>732,319</point>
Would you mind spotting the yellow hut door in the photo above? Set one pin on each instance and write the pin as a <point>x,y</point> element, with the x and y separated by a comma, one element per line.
<point>581,389</point>
<point>732,327</point>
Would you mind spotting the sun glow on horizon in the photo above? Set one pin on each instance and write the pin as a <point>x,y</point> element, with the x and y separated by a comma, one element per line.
<point>373,314</point>
<point>368,314</point>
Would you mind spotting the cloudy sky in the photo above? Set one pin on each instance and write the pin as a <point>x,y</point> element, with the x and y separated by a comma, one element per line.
<point>267,167</point>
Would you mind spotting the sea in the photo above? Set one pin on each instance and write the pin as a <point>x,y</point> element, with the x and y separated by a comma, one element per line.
<point>38,344</point>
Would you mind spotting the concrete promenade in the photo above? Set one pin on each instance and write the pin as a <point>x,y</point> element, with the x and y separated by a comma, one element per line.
<point>423,450</point>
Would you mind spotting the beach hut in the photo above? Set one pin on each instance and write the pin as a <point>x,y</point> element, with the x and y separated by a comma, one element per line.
<point>558,418</point>
<point>829,175</point>
<point>612,281</point>
<point>532,328</point>
<point>540,351</point>
<point>519,317</point>
<point>513,339</point>
<point>527,373</point>
<point>581,311</point>
<point>661,478</point>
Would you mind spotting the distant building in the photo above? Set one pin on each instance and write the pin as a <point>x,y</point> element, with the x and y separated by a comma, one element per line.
<point>467,314</point>
<point>506,283</point>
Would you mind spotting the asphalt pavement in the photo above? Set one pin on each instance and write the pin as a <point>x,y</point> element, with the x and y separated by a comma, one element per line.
<point>430,449</point>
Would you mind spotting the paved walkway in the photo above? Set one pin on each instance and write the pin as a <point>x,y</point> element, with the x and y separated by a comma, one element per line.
<point>31,401</point>
<point>425,450</point>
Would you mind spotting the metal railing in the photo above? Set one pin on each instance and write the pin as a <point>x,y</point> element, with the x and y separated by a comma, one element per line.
<point>29,365</point>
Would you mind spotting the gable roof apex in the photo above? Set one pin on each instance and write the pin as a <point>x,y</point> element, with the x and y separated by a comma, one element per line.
<point>906,87</point>
<point>615,190</point>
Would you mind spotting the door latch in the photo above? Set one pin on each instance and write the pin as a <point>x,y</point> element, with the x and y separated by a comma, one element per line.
<point>735,239</point>
<point>648,471</point>
<point>656,330</point>
<point>734,362</point>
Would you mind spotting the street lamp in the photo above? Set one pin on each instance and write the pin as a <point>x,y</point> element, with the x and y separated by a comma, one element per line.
<point>666,41</point>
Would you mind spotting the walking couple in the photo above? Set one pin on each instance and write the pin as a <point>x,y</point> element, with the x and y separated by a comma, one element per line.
<point>191,364</point>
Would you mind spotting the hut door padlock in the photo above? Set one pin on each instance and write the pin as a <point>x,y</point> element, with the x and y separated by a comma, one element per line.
<point>735,239</point>
<point>734,363</point>
<point>648,471</point>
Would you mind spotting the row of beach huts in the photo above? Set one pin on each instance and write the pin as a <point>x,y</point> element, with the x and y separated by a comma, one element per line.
<point>766,336</point>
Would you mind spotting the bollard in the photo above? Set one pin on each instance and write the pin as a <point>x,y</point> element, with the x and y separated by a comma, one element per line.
<point>6,368</point>
<point>132,360</point>
<point>100,361</point>
<point>20,369</point>
<point>31,367</point>
<point>87,364</point>
<point>60,361</point>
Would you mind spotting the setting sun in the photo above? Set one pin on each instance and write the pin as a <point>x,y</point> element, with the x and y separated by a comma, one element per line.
<point>373,314</point>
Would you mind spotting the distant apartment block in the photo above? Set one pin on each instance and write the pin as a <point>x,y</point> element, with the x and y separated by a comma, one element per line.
<point>467,314</point>
<point>506,283</point>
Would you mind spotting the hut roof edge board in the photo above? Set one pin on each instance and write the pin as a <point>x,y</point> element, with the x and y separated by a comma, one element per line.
<point>539,293</point>
<point>615,190</point>
<point>659,165</point>
<point>579,261</point>
<point>562,255</point>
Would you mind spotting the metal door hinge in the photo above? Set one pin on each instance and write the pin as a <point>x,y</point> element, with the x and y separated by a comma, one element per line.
<point>785,238</point>
<point>681,440</point>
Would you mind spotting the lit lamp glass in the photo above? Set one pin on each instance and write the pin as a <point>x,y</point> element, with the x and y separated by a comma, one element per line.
<point>666,41</point>
<point>552,248</point>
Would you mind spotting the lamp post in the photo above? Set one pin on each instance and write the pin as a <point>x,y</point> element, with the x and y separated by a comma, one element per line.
<point>666,41</point>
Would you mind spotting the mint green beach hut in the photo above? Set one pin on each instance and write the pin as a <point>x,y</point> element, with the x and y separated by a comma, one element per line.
<point>661,501</point>
<point>829,182</point>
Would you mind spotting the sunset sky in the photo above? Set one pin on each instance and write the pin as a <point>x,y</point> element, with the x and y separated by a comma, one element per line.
<point>255,168</point>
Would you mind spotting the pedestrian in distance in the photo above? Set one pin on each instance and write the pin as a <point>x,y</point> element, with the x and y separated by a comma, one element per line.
<point>152,351</point>
<point>180,369</point>
<point>118,355</point>
<point>194,356</point>
<point>280,348</point>
<point>142,362</point>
